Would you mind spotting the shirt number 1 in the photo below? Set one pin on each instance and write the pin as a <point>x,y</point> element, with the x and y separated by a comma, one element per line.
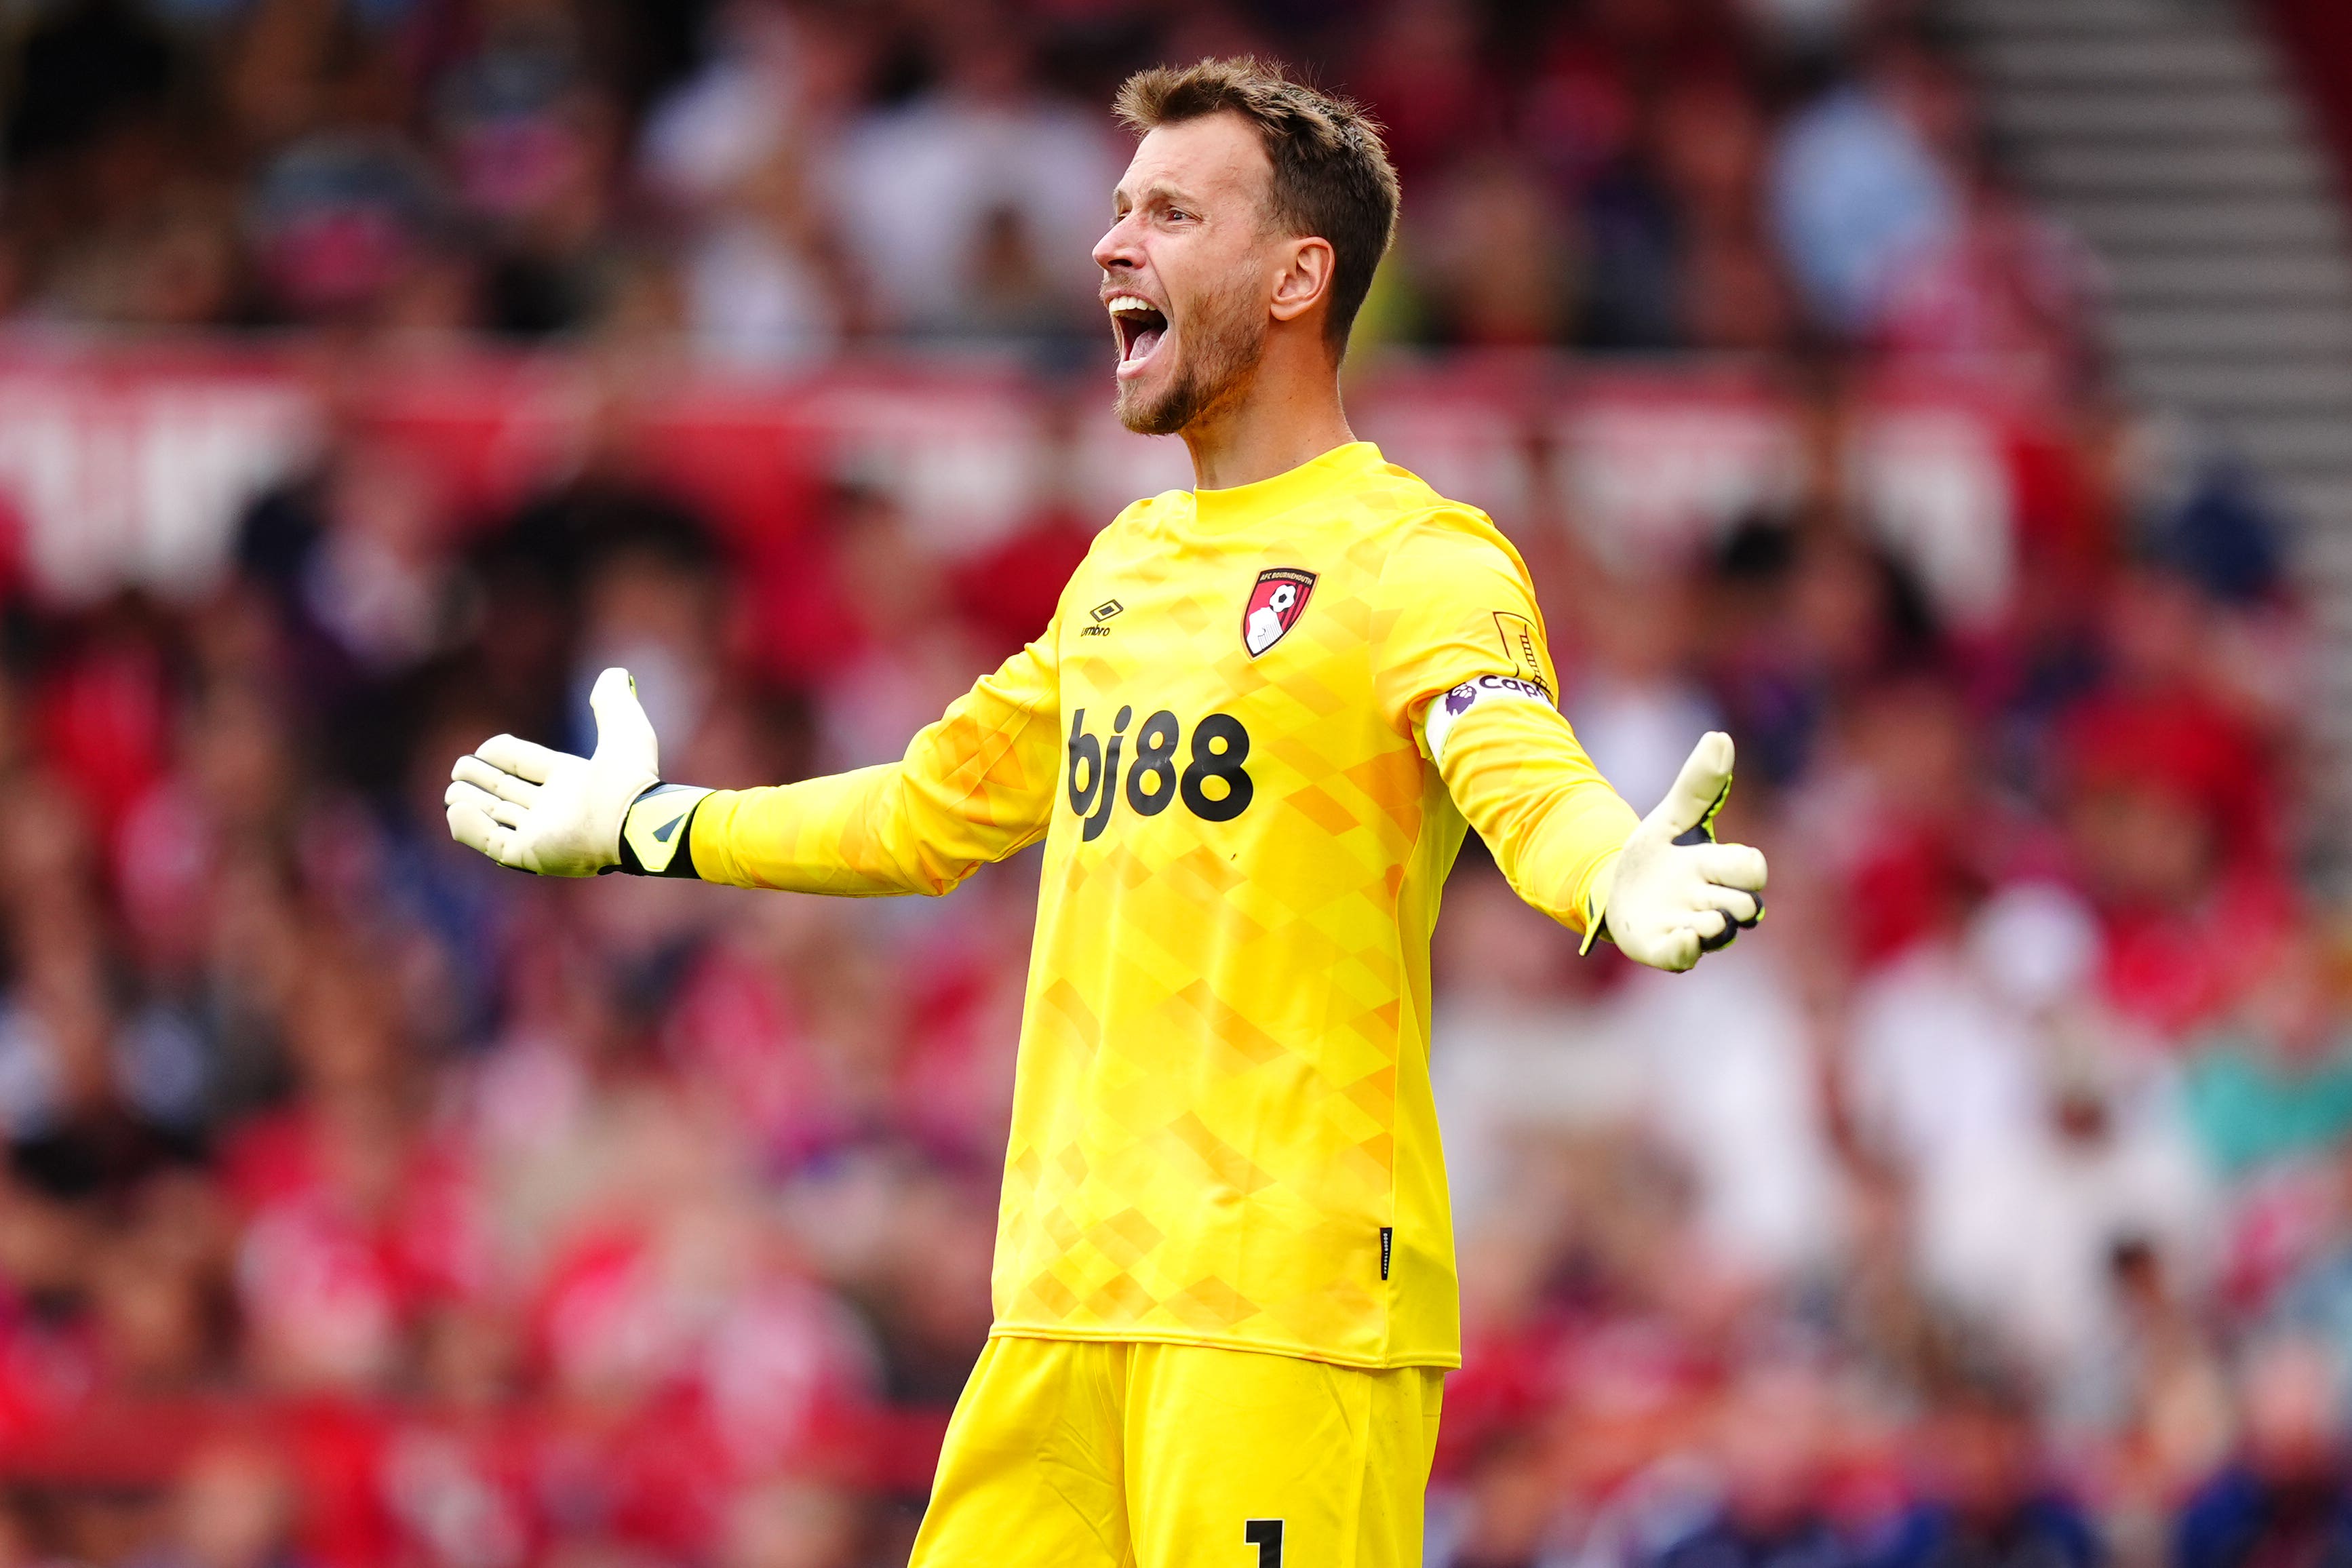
<point>1265,1534</point>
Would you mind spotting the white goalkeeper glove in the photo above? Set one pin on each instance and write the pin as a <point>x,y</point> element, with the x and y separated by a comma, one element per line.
<point>1675,893</point>
<point>548,812</point>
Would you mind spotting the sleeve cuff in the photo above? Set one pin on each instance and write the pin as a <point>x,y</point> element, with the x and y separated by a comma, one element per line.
<point>657,834</point>
<point>1596,903</point>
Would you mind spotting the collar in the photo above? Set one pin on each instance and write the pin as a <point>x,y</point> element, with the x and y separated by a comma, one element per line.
<point>1267,497</point>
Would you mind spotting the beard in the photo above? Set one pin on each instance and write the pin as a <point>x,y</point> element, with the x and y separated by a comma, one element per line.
<point>1221,355</point>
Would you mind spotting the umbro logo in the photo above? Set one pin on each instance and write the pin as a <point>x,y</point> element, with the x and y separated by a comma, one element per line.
<point>1100,613</point>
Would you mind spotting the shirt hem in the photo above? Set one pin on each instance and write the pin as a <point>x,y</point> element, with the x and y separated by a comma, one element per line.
<point>1396,1363</point>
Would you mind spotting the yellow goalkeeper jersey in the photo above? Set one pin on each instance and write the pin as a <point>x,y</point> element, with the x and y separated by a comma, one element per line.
<point>1223,1132</point>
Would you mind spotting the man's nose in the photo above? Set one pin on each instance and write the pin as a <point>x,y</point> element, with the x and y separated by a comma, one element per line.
<point>1117,247</point>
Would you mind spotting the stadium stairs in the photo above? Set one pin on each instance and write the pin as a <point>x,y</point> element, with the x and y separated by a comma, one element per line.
<point>2173,137</point>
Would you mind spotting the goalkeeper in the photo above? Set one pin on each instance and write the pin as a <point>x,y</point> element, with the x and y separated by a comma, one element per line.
<point>1252,740</point>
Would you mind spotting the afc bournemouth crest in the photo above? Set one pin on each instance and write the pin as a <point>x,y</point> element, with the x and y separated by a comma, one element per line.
<point>1274,607</point>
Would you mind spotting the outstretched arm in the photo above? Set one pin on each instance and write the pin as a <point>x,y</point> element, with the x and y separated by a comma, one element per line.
<point>1460,662</point>
<point>1661,887</point>
<point>1519,776</point>
<point>972,787</point>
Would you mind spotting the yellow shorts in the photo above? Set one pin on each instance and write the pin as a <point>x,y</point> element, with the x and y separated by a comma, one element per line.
<point>1108,1454</point>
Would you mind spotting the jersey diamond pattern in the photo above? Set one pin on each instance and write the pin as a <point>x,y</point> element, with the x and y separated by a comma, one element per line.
<point>1223,1131</point>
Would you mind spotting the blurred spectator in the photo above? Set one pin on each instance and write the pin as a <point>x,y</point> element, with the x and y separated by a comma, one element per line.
<point>1507,1073</point>
<point>2284,1498</point>
<point>1944,1070</point>
<point>793,1526</point>
<point>1859,189</point>
<point>908,657</point>
<point>1988,1497</point>
<point>1710,148</point>
<point>1421,68</point>
<point>2279,1085</point>
<point>342,223</point>
<point>235,1508</point>
<point>531,143</point>
<point>2170,800</point>
<point>358,560</point>
<point>978,193</point>
<point>366,1206</point>
<point>1497,262</point>
<point>2105,1164</point>
<point>757,291</point>
<point>1634,700</point>
<point>2004,294</point>
<point>1770,1451</point>
<point>2155,1398</point>
<point>742,148</point>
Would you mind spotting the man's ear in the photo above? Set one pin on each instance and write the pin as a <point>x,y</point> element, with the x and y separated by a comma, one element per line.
<point>1305,280</point>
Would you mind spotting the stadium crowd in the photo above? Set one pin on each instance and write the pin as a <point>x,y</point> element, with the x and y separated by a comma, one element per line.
<point>368,1206</point>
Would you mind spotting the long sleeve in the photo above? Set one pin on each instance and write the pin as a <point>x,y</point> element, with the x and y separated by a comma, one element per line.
<point>973,787</point>
<point>1519,776</point>
<point>1462,666</point>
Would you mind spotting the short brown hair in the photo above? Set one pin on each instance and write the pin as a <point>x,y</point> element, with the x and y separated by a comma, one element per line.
<point>1332,178</point>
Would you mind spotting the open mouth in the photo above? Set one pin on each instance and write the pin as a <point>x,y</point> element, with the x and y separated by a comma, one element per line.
<point>1140,324</point>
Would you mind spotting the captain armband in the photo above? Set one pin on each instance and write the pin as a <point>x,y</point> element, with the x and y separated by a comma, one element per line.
<point>1447,708</point>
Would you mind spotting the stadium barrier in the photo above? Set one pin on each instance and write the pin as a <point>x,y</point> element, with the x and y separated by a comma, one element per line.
<point>128,467</point>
